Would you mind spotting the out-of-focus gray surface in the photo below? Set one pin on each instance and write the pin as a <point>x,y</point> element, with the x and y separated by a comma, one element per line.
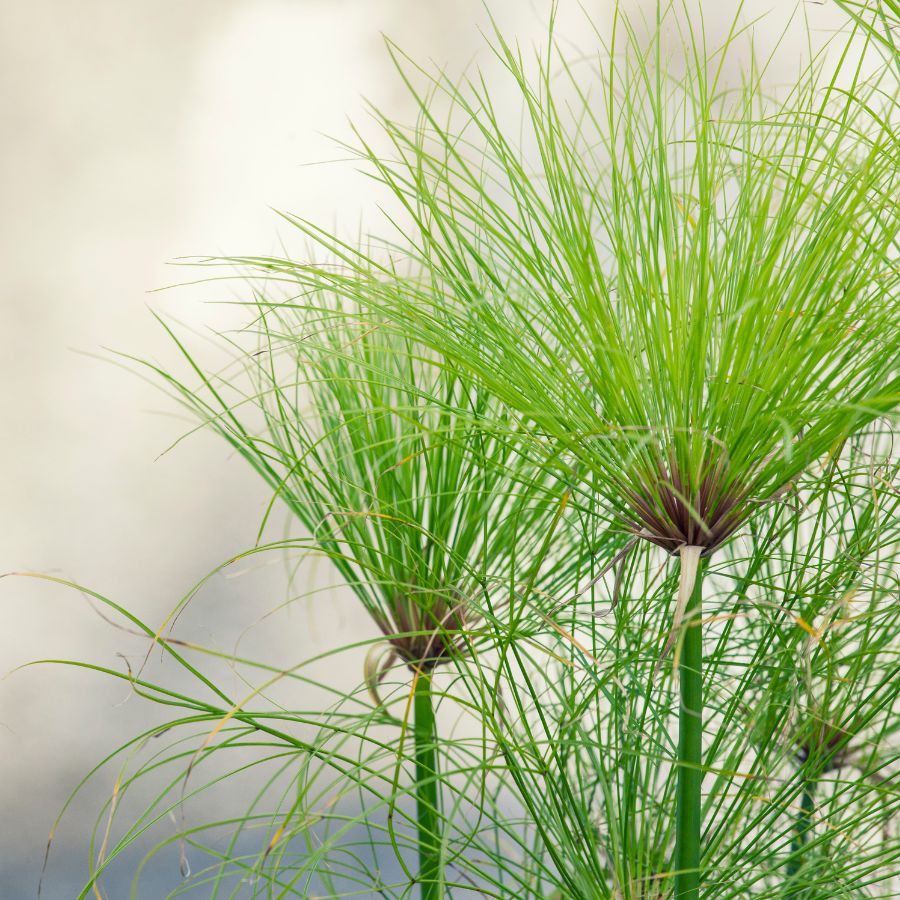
<point>131,134</point>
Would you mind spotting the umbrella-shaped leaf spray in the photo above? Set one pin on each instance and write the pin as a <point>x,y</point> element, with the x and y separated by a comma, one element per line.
<point>385,459</point>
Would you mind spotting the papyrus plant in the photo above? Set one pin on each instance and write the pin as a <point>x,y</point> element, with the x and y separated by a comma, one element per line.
<point>678,292</point>
<point>802,635</point>
<point>386,461</point>
<point>685,281</point>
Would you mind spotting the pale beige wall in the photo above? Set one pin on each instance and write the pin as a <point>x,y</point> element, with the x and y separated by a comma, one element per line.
<point>132,133</point>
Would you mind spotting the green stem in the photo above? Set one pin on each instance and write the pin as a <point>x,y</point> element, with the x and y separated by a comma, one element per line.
<point>690,720</point>
<point>802,827</point>
<point>427,815</point>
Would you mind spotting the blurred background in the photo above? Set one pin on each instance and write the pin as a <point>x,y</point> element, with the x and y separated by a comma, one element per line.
<point>133,134</point>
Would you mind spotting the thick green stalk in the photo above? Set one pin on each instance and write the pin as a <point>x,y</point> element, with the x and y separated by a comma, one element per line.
<point>427,815</point>
<point>690,733</point>
<point>802,827</point>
